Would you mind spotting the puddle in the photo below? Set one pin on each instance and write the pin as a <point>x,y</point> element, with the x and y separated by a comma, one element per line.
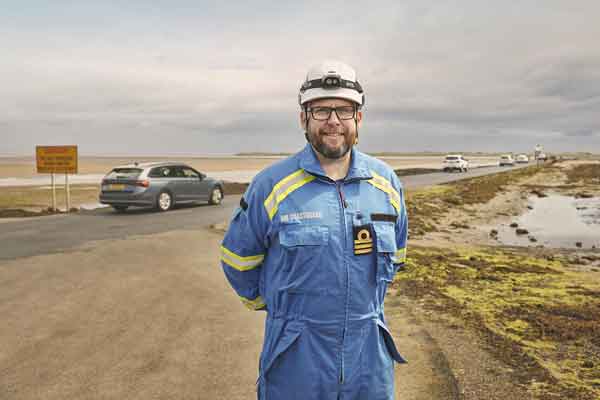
<point>556,221</point>
<point>92,206</point>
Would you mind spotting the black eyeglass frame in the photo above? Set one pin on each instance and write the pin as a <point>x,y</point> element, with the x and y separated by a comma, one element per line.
<point>330,110</point>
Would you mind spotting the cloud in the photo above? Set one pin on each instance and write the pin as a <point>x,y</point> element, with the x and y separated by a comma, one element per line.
<point>583,133</point>
<point>572,79</point>
<point>451,76</point>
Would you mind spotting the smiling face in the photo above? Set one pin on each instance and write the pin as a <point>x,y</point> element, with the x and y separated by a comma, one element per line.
<point>332,138</point>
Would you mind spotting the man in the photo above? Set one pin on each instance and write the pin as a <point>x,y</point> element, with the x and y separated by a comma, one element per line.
<point>315,242</point>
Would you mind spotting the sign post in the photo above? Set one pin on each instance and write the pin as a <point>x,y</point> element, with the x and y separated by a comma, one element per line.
<point>68,191</point>
<point>57,159</point>
<point>53,193</point>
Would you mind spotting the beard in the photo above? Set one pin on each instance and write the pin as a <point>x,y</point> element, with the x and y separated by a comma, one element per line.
<point>319,142</point>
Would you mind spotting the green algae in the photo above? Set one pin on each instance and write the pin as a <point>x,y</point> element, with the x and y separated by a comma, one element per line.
<point>537,314</point>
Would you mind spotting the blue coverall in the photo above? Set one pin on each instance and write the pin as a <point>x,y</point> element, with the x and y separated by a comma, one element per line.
<point>318,256</point>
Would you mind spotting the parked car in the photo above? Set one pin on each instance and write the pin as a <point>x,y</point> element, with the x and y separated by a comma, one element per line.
<point>455,162</point>
<point>506,160</point>
<point>158,184</point>
<point>522,159</point>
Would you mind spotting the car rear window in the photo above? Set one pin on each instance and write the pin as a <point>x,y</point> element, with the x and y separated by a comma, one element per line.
<point>451,158</point>
<point>124,173</point>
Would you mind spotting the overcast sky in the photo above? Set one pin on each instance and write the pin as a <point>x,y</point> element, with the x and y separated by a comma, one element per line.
<point>194,77</point>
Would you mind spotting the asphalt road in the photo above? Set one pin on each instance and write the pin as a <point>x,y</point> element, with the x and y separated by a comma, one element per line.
<point>64,233</point>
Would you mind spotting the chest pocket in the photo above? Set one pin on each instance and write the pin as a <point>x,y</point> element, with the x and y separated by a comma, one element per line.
<point>385,236</point>
<point>303,235</point>
<point>302,245</point>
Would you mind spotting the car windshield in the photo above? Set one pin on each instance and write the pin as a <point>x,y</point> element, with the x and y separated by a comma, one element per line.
<point>451,158</point>
<point>505,157</point>
<point>124,173</point>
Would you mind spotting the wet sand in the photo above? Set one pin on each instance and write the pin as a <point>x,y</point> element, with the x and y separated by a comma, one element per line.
<point>23,167</point>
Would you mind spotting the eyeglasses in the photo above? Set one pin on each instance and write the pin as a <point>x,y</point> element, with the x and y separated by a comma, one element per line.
<point>323,113</point>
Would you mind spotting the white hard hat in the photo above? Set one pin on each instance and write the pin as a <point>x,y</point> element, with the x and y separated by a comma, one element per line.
<point>331,79</point>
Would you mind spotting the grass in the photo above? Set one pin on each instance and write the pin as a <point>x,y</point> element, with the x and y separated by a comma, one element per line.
<point>29,197</point>
<point>588,174</point>
<point>537,313</point>
<point>31,201</point>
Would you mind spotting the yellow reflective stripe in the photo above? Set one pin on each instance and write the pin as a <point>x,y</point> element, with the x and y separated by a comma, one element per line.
<point>390,189</point>
<point>240,263</point>
<point>255,304</point>
<point>279,197</point>
<point>400,256</point>
<point>279,184</point>
<point>283,189</point>
<point>384,185</point>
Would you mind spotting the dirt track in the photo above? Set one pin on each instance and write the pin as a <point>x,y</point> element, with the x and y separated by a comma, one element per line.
<point>152,317</point>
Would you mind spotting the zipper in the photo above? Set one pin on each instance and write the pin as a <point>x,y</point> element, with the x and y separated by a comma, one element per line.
<point>343,206</point>
<point>342,198</point>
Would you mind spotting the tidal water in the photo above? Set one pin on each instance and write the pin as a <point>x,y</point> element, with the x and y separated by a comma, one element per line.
<point>556,221</point>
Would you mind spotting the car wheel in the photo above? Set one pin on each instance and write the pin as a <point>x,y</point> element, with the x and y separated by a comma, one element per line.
<point>164,201</point>
<point>120,208</point>
<point>216,196</point>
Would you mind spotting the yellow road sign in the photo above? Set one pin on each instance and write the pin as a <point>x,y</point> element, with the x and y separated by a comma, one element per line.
<point>57,159</point>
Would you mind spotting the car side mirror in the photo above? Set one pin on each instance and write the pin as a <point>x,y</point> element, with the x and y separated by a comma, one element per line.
<point>202,176</point>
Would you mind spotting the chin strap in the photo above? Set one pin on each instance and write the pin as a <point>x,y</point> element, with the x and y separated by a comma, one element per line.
<point>306,119</point>
<point>356,124</point>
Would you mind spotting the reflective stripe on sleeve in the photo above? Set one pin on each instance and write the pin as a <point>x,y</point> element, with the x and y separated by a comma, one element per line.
<point>399,256</point>
<point>240,263</point>
<point>284,187</point>
<point>384,185</point>
<point>255,304</point>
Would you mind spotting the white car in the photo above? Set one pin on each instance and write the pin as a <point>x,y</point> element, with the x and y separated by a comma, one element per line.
<point>506,159</point>
<point>522,159</point>
<point>455,162</point>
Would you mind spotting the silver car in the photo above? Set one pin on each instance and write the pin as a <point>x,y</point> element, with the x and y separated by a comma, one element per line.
<point>159,184</point>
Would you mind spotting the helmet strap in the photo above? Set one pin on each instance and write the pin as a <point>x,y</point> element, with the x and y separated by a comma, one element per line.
<point>306,118</point>
<point>356,124</point>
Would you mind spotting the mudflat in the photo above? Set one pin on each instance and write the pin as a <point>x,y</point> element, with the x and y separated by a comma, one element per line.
<point>22,167</point>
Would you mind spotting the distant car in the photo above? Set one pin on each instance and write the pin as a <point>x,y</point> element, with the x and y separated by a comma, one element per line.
<point>506,160</point>
<point>522,159</point>
<point>159,185</point>
<point>455,162</point>
<point>542,157</point>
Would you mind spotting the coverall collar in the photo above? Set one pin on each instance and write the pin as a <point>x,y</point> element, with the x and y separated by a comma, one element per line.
<point>357,170</point>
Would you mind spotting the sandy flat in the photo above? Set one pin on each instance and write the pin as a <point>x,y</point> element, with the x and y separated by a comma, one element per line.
<point>23,167</point>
